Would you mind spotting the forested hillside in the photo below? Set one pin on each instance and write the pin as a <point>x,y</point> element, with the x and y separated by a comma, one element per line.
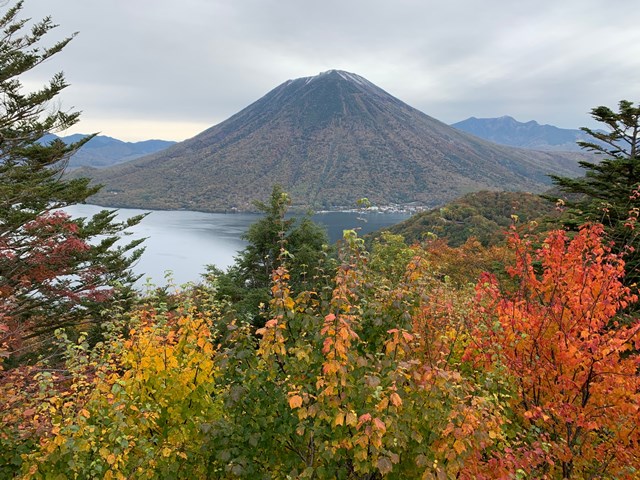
<point>485,216</point>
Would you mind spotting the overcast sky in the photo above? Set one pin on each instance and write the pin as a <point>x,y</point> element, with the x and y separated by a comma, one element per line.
<point>168,69</point>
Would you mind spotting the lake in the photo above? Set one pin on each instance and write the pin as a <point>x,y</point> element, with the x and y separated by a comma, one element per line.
<point>183,242</point>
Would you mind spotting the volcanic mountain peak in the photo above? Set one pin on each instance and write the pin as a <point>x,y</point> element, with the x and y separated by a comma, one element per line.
<point>331,85</point>
<point>329,140</point>
<point>351,77</point>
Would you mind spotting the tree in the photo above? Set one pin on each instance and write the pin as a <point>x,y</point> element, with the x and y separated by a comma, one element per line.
<point>609,191</point>
<point>53,269</point>
<point>135,406</point>
<point>273,240</point>
<point>358,382</point>
<point>577,389</point>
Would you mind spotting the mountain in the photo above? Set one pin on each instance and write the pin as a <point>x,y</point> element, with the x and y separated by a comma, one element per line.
<point>329,140</point>
<point>484,215</point>
<point>102,151</point>
<point>508,131</point>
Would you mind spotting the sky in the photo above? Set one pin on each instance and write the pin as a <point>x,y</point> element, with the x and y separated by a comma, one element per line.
<point>168,69</point>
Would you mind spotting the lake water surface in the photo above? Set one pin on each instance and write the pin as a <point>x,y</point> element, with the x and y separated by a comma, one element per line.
<point>183,242</point>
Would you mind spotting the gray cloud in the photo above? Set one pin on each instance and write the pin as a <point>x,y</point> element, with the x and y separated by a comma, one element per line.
<point>159,68</point>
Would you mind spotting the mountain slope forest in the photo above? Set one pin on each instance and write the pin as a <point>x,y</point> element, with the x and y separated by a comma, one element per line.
<point>485,216</point>
<point>401,360</point>
<point>329,140</point>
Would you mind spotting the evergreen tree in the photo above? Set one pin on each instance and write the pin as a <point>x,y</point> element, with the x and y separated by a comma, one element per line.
<point>609,191</point>
<point>54,271</point>
<point>300,243</point>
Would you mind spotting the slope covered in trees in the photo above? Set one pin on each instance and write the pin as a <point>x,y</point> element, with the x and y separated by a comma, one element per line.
<point>485,216</point>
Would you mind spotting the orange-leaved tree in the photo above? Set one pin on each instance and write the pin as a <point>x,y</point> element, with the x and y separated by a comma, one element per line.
<point>575,368</point>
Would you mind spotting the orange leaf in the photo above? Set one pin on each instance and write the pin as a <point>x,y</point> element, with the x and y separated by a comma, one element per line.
<point>364,419</point>
<point>295,401</point>
<point>379,424</point>
<point>395,399</point>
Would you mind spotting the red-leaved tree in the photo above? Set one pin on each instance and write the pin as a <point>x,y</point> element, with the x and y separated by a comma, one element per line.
<point>575,367</point>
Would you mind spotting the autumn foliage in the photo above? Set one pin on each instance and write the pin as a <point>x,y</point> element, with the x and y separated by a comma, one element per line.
<point>391,363</point>
<point>573,363</point>
<point>134,406</point>
<point>43,267</point>
<point>394,368</point>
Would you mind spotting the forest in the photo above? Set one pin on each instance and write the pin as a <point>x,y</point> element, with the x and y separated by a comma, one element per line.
<point>508,358</point>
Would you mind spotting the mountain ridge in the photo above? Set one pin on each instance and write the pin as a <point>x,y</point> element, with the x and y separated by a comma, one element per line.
<point>506,130</point>
<point>103,151</point>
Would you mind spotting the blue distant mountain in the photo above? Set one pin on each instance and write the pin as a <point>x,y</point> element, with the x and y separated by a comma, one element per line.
<point>508,131</point>
<point>102,151</point>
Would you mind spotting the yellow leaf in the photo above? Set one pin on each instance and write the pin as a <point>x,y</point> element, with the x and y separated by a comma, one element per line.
<point>166,451</point>
<point>295,401</point>
<point>360,454</point>
<point>383,404</point>
<point>351,419</point>
<point>459,447</point>
<point>288,303</point>
<point>339,420</point>
<point>111,459</point>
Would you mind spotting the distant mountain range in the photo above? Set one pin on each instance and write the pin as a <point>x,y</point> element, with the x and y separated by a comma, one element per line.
<point>329,140</point>
<point>508,131</point>
<point>102,151</point>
